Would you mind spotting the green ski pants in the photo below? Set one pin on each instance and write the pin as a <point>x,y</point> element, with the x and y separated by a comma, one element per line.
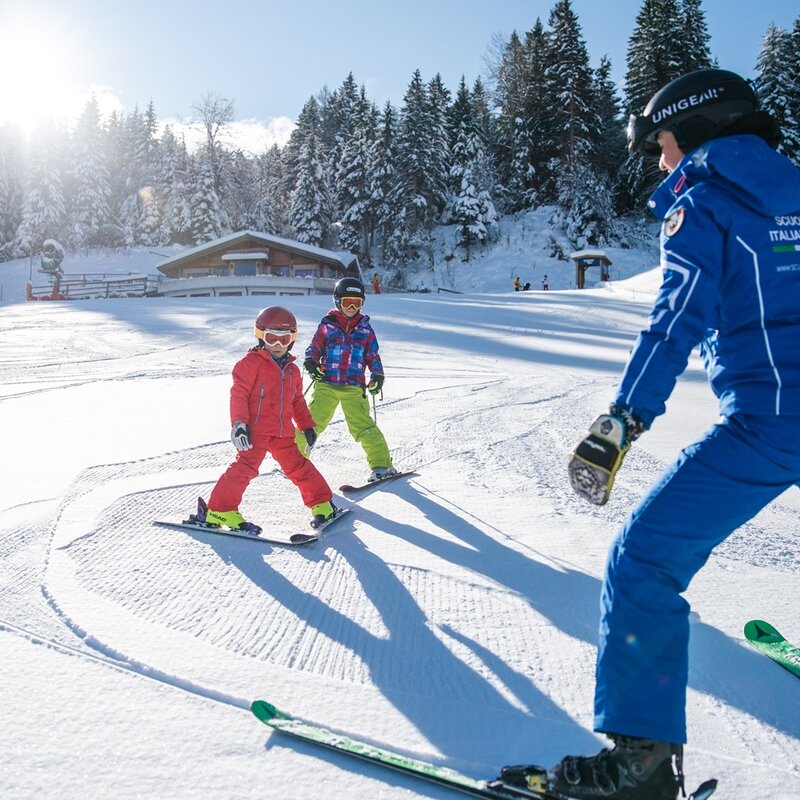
<point>355,406</point>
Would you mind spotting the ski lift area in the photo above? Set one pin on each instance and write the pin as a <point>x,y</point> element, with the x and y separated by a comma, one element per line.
<point>586,259</point>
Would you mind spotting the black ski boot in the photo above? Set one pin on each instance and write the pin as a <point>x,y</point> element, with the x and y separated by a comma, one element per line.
<point>635,769</point>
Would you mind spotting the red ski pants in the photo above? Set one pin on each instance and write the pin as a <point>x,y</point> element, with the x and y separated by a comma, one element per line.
<point>228,492</point>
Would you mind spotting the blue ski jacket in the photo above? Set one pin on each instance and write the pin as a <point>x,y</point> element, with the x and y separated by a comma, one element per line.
<point>730,253</point>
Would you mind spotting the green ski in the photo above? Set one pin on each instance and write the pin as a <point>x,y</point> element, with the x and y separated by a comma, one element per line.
<point>444,776</point>
<point>536,777</point>
<point>767,640</point>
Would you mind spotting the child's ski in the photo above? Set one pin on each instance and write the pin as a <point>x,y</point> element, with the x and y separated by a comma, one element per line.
<point>293,540</point>
<point>767,640</point>
<point>203,527</point>
<point>349,488</point>
<point>443,776</point>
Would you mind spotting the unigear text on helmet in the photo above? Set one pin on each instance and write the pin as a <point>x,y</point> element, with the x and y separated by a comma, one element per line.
<point>695,108</point>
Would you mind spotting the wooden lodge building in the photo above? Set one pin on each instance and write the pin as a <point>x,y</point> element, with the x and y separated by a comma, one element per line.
<point>253,263</point>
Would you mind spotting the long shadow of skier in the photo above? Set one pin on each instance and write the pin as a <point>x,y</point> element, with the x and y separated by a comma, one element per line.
<point>415,669</point>
<point>570,600</point>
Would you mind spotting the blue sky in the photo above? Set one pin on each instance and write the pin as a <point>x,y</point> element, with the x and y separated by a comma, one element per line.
<point>269,57</point>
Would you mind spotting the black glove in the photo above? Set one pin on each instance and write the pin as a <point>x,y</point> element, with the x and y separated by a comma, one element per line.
<point>314,370</point>
<point>376,384</point>
<point>311,437</point>
<point>240,436</point>
<point>598,456</point>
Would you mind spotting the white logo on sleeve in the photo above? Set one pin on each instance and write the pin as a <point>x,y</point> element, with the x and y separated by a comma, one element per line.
<point>672,224</point>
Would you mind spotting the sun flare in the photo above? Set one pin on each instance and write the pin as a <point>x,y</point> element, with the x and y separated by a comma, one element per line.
<point>37,69</point>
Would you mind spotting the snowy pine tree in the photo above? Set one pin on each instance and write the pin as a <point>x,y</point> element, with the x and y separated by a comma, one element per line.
<point>383,176</point>
<point>204,202</point>
<point>90,215</point>
<point>173,189</point>
<point>353,180</point>
<point>44,213</point>
<point>569,82</point>
<point>791,130</point>
<point>420,191</point>
<point>669,40</point>
<point>310,214</point>
<point>12,188</point>
<point>776,82</point>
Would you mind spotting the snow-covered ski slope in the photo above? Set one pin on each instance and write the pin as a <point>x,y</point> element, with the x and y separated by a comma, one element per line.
<point>452,616</point>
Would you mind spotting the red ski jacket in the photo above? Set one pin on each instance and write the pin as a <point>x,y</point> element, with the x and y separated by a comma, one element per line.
<point>268,396</point>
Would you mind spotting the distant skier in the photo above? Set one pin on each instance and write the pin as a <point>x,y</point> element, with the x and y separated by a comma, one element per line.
<point>727,204</point>
<point>517,284</point>
<point>376,283</point>
<point>342,349</point>
<point>545,284</point>
<point>267,394</point>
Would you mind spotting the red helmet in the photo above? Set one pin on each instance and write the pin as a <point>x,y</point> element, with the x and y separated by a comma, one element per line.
<point>276,326</point>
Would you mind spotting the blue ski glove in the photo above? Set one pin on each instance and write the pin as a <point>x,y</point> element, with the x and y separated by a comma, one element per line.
<point>311,437</point>
<point>598,456</point>
<point>314,370</point>
<point>376,384</point>
<point>240,436</point>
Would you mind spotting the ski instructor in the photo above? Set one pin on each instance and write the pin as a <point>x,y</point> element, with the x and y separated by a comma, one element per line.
<point>730,254</point>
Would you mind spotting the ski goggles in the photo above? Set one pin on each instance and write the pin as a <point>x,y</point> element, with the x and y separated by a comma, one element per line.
<point>353,303</point>
<point>276,338</point>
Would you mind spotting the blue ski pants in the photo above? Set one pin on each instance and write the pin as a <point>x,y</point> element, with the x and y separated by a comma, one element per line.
<point>715,485</point>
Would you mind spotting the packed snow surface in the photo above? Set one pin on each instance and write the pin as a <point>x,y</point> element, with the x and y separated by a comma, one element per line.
<point>452,616</point>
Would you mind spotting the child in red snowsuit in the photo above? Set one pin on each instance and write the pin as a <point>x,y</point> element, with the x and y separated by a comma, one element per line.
<point>266,398</point>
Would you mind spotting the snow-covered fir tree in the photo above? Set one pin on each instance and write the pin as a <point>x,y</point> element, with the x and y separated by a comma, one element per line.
<point>173,189</point>
<point>382,176</point>
<point>274,201</point>
<point>569,81</point>
<point>669,40</point>
<point>353,179</point>
<point>338,112</point>
<point>44,214</point>
<point>419,193</point>
<point>514,142</point>
<point>470,205</point>
<point>91,220</point>
<point>204,203</point>
<point>310,214</point>
<point>791,130</point>
<point>776,82</point>
<point>12,187</point>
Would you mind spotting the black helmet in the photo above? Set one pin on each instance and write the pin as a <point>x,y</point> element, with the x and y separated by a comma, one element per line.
<point>694,108</point>
<point>348,287</point>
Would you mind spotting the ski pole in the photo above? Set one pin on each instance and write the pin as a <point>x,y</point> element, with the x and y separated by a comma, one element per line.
<point>375,408</point>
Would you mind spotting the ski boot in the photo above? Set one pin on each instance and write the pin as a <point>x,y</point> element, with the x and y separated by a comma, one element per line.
<point>379,473</point>
<point>224,519</point>
<point>635,769</point>
<point>322,512</point>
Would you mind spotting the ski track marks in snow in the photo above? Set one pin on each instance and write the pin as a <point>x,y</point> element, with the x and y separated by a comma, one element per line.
<point>359,608</point>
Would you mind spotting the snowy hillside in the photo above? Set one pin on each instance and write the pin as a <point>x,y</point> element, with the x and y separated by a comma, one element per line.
<point>451,616</point>
<point>523,247</point>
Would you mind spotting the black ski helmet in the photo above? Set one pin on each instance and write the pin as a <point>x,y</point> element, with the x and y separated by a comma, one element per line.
<point>694,108</point>
<point>348,287</point>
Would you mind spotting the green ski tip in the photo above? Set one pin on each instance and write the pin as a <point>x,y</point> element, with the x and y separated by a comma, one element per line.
<point>759,631</point>
<point>265,711</point>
